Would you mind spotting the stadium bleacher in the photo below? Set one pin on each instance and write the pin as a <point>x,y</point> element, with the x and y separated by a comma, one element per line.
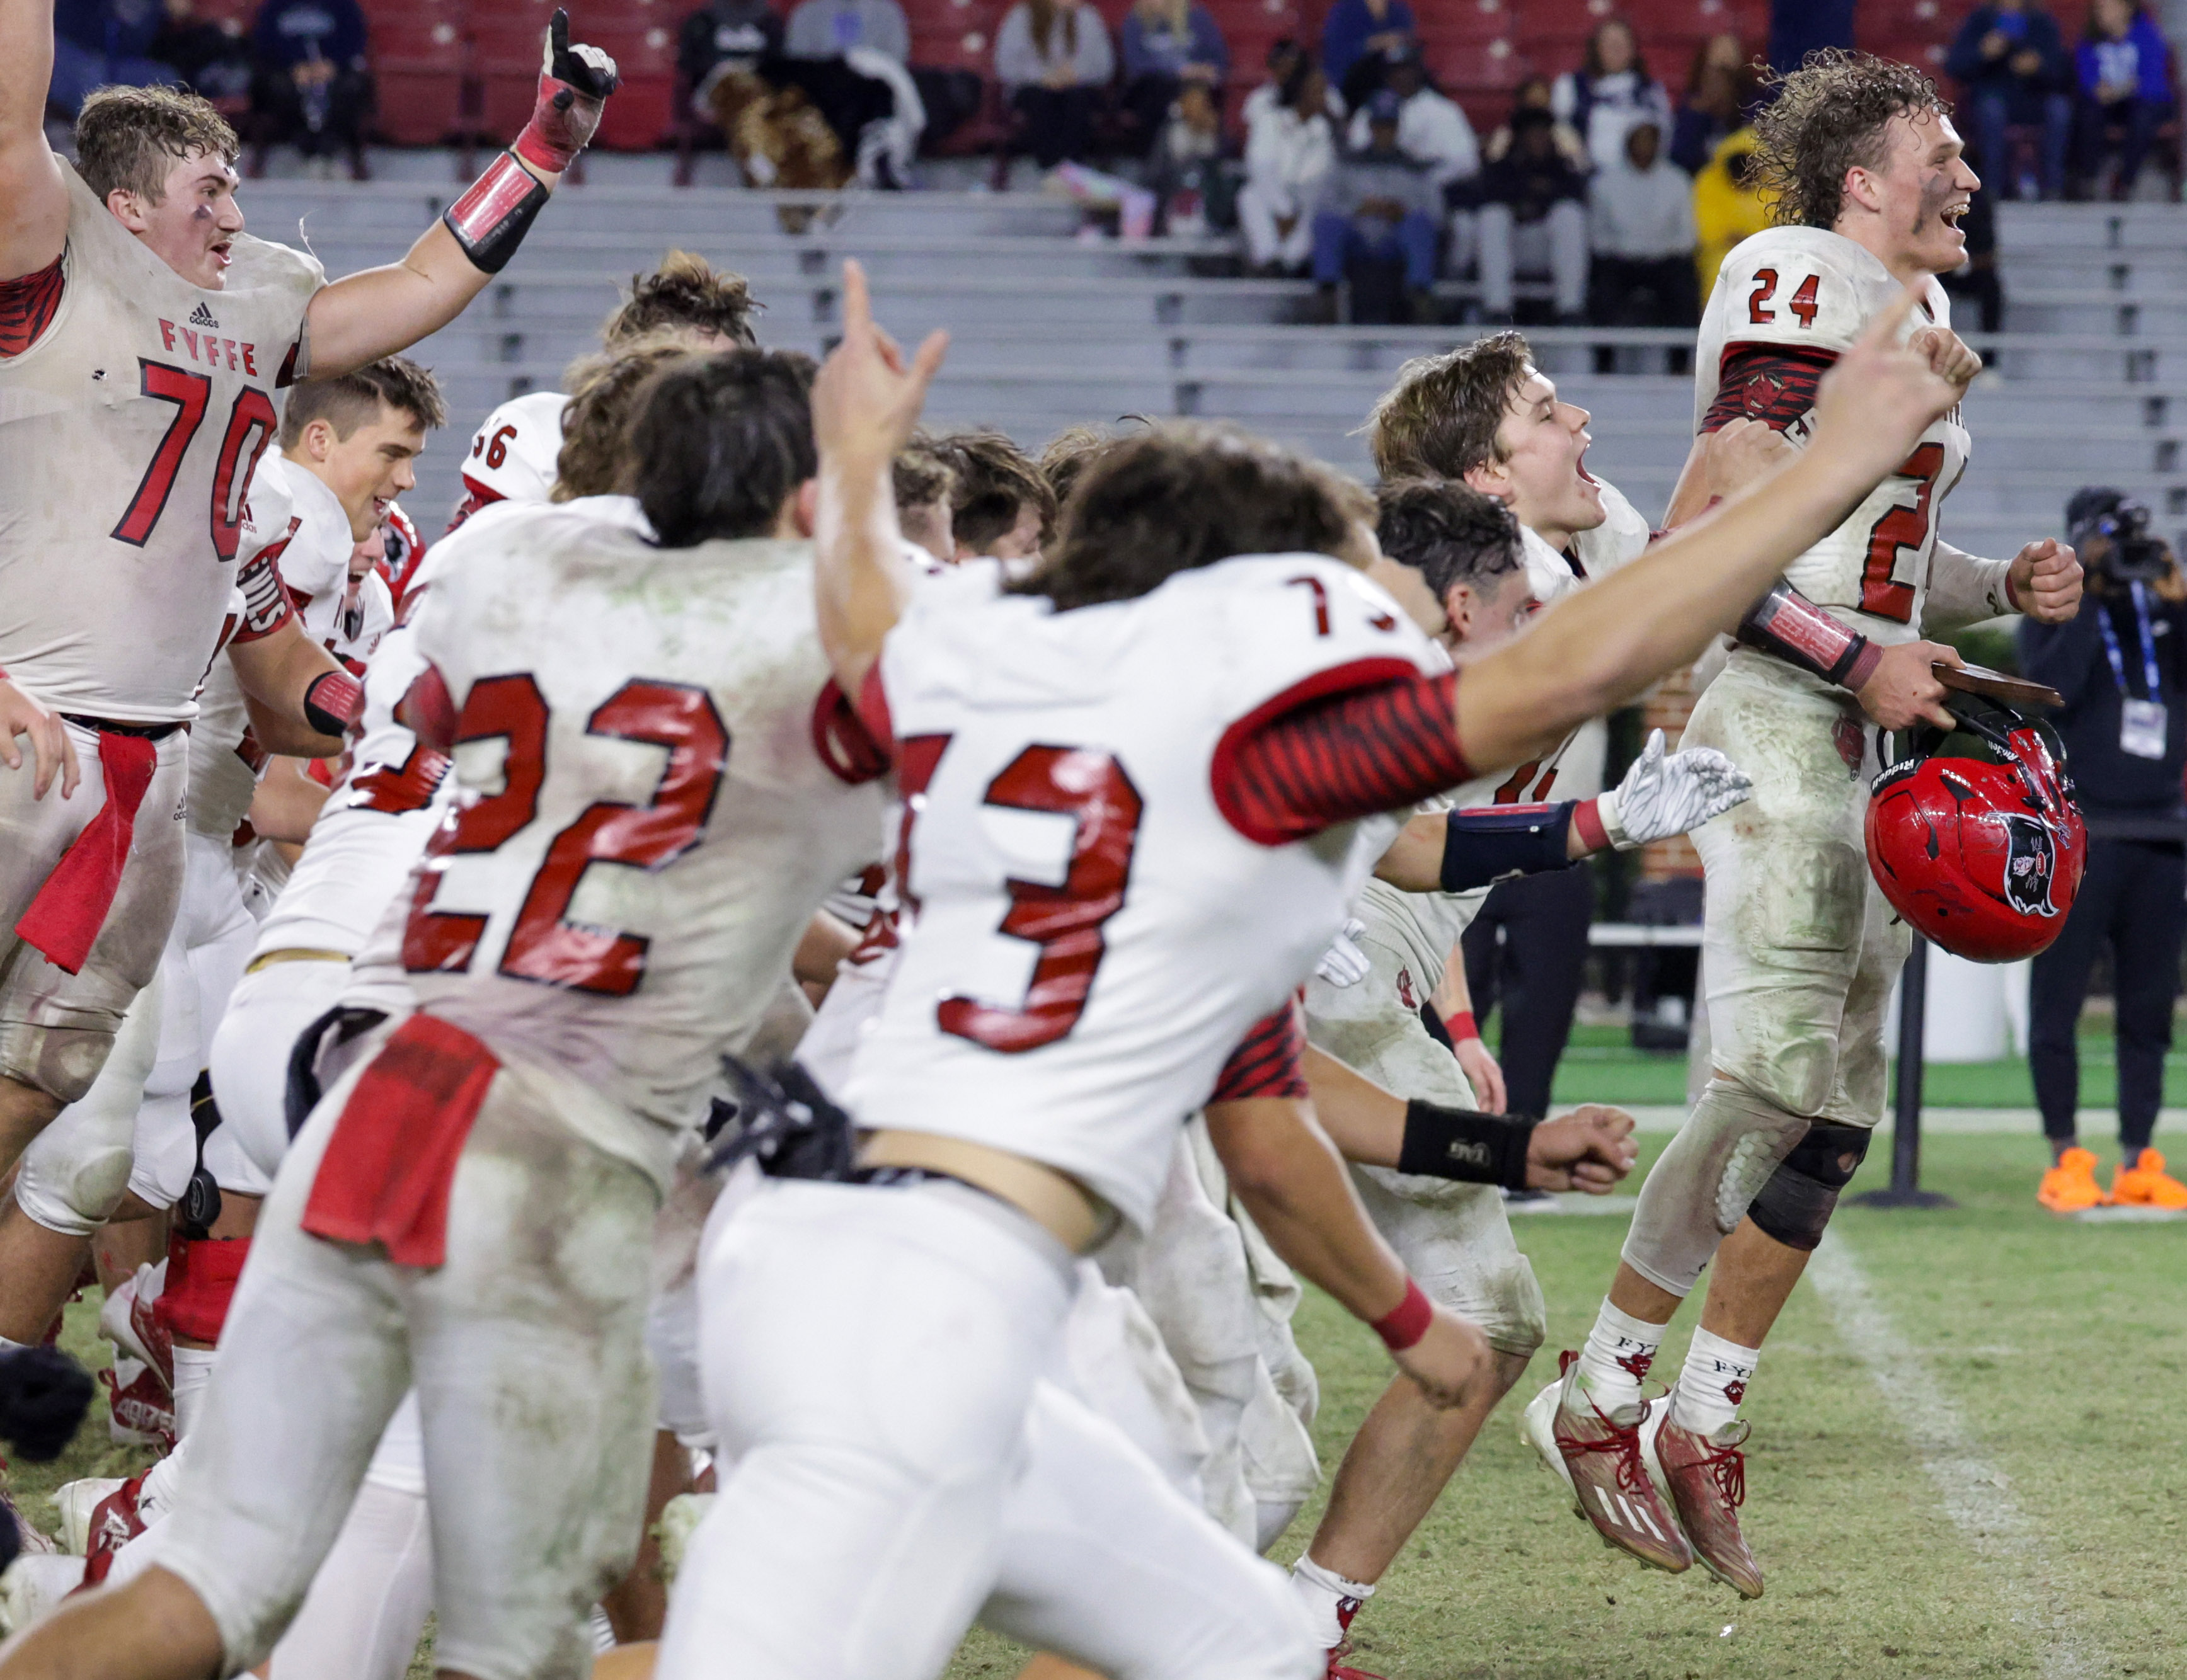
<point>2089,383</point>
<point>455,67</point>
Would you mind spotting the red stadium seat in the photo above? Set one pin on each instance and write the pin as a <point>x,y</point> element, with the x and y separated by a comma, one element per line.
<point>418,64</point>
<point>1449,20</point>
<point>1462,68</point>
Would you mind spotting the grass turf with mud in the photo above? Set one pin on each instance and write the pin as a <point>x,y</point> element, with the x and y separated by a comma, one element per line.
<point>2062,1344</point>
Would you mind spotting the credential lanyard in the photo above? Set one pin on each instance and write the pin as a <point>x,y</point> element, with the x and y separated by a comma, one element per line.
<point>2148,645</point>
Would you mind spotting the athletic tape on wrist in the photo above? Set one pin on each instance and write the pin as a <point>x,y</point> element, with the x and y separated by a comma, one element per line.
<point>1465,1145</point>
<point>1406,1322</point>
<point>1786,623</point>
<point>331,702</point>
<point>1590,817</point>
<point>491,218</point>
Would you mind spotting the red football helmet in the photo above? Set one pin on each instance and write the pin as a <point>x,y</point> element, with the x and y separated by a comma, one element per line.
<point>1980,855</point>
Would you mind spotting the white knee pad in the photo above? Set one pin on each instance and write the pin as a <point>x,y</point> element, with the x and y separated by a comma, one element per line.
<point>1698,1191</point>
<point>165,1150</point>
<point>250,1062</point>
<point>75,1171</point>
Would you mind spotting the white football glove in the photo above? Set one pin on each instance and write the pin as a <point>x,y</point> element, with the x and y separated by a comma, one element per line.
<point>1664,794</point>
<point>1345,964</point>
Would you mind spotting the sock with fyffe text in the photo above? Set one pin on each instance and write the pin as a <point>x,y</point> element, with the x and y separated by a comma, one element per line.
<point>1330,1600</point>
<point>1616,1358</point>
<point>1713,1382</point>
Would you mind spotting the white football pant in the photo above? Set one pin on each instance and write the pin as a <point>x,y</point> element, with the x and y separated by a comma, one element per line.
<point>874,1361</point>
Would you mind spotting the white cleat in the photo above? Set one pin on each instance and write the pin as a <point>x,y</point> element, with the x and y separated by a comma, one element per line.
<point>75,1500</point>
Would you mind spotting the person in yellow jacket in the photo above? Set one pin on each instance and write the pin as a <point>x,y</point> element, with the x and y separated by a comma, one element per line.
<point>1727,207</point>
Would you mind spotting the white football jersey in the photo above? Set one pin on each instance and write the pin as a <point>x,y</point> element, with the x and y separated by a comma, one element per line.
<point>224,763</point>
<point>1085,937</point>
<point>513,453</point>
<point>1809,289</point>
<point>128,434</point>
<point>645,824</point>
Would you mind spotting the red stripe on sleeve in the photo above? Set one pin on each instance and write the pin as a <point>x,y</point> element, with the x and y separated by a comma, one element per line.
<point>1268,1061</point>
<point>28,305</point>
<point>1331,751</point>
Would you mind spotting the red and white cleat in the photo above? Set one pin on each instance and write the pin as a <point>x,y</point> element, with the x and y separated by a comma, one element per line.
<point>1345,1610</point>
<point>130,1320</point>
<point>141,1413</point>
<point>1597,1454</point>
<point>1705,1476</point>
<point>114,1522</point>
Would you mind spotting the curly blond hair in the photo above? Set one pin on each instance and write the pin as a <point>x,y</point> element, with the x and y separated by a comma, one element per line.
<point>1832,114</point>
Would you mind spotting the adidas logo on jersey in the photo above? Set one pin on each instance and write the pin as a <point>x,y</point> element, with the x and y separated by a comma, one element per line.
<point>202,316</point>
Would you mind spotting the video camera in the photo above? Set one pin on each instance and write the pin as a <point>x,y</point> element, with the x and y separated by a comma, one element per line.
<point>2134,555</point>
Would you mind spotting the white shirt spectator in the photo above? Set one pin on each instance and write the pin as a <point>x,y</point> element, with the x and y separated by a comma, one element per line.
<point>1434,130</point>
<point>1288,158</point>
<point>1643,214</point>
<point>1270,94</point>
<point>1614,103</point>
<point>1019,63</point>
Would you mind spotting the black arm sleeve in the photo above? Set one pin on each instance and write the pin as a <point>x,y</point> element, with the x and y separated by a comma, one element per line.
<point>1461,1144</point>
<point>1482,845</point>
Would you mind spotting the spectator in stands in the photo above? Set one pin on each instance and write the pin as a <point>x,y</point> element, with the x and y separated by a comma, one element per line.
<point>2011,60</point>
<point>726,37</point>
<point>1536,93</point>
<point>2124,92</point>
<point>1610,93</point>
<point>1799,27</point>
<point>1727,207</point>
<point>1285,56</point>
<point>101,42</point>
<point>847,58</point>
<point>1431,129</point>
<point>1720,92</point>
<point>1169,45</point>
<point>829,29</point>
<point>1378,206</point>
<point>1290,150</point>
<point>1359,39</point>
<point>1196,187</point>
<point>1640,228</point>
<point>1052,59</point>
<point>212,59</point>
<point>312,89</point>
<point>1533,215</point>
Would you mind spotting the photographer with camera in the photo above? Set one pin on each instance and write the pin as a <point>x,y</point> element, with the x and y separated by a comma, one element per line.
<point>2121,666</point>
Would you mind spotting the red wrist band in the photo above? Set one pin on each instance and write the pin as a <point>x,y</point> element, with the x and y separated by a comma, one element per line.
<point>1407,1322</point>
<point>1863,667</point>
<point>1461,1026</point>
<point>1587,818</point>
<point>2012,595</point>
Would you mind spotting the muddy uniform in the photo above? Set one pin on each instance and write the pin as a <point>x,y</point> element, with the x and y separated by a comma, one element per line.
<point>133,408</point>
<point>645,832</point>
<point>1455,1238</point>
<point>1799,949</point>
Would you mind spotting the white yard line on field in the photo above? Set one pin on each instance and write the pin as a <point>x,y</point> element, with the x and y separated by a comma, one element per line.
<point>1975,1494</point>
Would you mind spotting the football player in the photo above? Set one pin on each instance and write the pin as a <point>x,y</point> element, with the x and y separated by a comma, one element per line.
<point>1800,950</point>
<point>143,339</point>
<point>515,454</point>
<point>1137,786</point>
<point>645,828</point>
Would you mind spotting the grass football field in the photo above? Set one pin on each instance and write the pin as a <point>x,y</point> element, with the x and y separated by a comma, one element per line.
<point>1970,1455</point>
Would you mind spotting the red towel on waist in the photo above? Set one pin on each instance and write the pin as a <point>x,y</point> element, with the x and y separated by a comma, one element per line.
<point>65,918</point>
<point>386,1173</point>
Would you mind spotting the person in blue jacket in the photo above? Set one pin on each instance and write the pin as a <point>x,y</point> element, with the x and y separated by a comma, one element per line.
<point>2123,94</point>
<point>312,89</point>
<point>2011,60</point>
<point>1359,39</point>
